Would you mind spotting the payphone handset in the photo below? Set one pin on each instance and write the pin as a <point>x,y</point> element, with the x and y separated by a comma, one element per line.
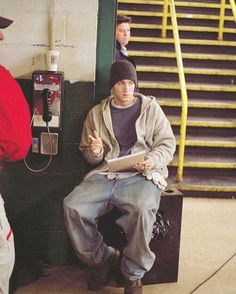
<point>46,95</point>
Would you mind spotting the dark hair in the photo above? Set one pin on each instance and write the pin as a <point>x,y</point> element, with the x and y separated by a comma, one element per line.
<point>120,18</point>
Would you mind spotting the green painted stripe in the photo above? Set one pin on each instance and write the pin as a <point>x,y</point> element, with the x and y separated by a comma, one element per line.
<point>104,50</point>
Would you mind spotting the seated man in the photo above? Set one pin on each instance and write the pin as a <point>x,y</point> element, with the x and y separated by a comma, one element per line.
<point>121,124</point>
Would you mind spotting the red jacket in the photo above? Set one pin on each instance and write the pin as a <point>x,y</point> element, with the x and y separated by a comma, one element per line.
<point>15,132</point>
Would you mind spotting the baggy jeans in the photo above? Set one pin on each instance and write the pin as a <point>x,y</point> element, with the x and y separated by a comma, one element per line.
<point>7,250</point>
<point>136,197</point>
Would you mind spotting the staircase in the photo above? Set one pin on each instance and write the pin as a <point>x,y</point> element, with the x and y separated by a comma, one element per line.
<point>210,74</point>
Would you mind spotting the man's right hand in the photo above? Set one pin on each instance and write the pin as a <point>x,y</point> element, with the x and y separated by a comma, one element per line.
<point>96,145</point>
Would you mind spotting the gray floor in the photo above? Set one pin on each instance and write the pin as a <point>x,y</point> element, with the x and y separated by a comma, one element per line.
<point>208,240</point>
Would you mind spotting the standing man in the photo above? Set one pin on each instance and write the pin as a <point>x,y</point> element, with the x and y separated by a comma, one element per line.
<point>122,38</point>
<point>122,124</point>
<point>15,140</point>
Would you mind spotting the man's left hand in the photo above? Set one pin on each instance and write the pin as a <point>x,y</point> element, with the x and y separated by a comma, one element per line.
<point>146,165</point>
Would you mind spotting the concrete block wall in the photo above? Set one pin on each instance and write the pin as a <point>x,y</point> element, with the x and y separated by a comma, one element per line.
<point>67,26</point>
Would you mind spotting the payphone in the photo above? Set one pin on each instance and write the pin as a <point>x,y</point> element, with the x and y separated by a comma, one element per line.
<point>46,123</point>
<point>47,112</point>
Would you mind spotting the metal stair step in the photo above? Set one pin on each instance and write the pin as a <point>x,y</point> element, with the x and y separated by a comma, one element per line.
<point>205,184</point>
<point>178,15</point>
<point>209,141</point>
<point>187,70</point>
<point>184,41</point>
<point>198,103</point>
<point>168,54</point>
<point>207,160</point>
<point>198,4</point>
<point>207,29</point>
<point>189,86</point>
<point>212,122</point>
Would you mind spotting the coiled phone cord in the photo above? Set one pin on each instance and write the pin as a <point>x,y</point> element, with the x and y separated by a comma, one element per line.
<point>50,157</point>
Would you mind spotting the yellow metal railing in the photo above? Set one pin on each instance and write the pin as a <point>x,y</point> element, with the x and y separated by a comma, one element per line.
<point>233,6</point>
<point>222,17</point>
<point>184,111</point>
<point>184,96</point>
<point>164,18</point>
<point>222,20</point>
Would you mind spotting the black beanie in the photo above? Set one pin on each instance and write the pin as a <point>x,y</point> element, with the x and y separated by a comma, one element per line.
<point>122,70</point>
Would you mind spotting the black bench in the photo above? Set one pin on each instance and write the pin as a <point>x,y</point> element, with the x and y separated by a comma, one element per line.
<point>165,268</point>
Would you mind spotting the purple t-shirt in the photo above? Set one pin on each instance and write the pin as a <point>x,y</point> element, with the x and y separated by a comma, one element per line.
<point>123,120</point>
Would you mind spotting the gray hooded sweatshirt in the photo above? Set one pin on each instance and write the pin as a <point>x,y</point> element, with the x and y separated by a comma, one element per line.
<point>154,136</point>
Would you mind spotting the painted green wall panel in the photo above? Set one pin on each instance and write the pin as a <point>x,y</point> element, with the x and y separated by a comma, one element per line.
<point>105,46</point>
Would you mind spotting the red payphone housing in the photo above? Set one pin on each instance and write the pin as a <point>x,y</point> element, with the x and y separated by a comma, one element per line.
<point>47,107</point>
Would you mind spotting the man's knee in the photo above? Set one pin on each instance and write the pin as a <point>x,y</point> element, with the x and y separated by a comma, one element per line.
<point>144,206</point>
<point>147,200</point>
<point>71,209</point>
<point>71,201</point>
